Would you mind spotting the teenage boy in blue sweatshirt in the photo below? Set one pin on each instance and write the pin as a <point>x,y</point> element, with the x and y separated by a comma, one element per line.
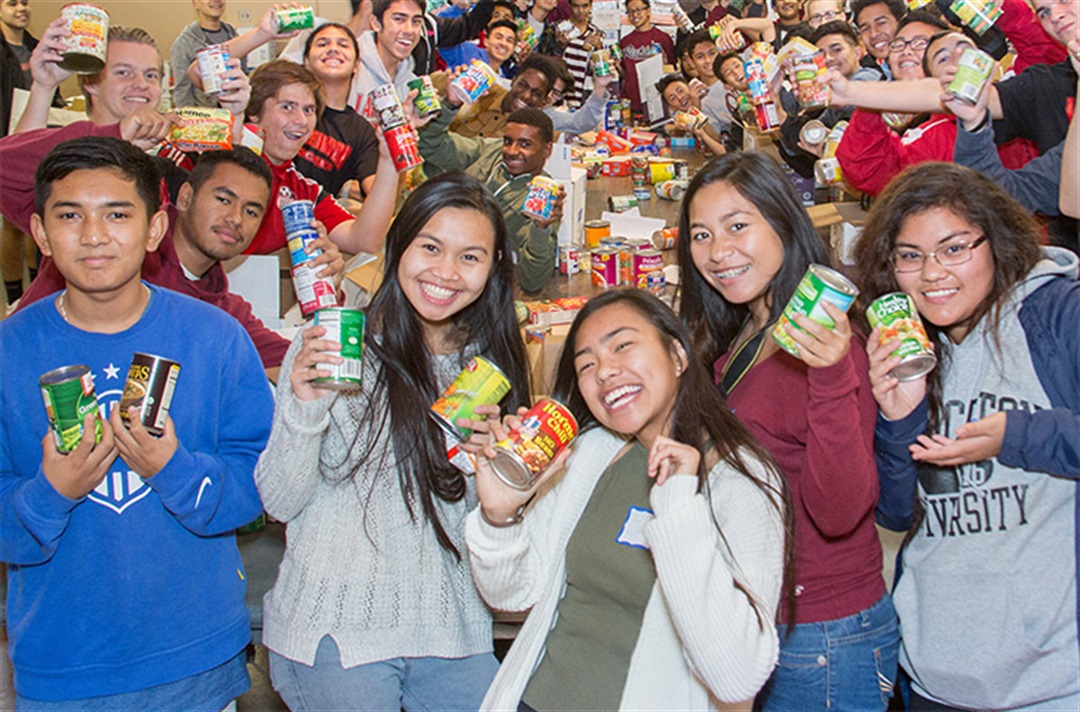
<point>126,589</point>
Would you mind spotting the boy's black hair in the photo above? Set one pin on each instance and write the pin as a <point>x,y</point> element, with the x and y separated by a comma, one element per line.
<point>240,156</point>
<point>95,153</point>
<point>536,118</point>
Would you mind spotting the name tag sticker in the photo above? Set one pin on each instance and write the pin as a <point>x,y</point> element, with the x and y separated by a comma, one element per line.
<point>633,528</point>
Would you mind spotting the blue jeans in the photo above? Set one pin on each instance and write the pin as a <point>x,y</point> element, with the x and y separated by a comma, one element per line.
<point>844,664</point>
<point>399,683</point>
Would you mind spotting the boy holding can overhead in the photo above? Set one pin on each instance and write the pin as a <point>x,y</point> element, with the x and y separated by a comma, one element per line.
<point>130,586</point>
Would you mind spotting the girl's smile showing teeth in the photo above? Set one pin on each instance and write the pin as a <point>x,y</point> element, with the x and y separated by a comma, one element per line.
<point>620,396</point>
<point>733,272</point>
<point>437,294</point>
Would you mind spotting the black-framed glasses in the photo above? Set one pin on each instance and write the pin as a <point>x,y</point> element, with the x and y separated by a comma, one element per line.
<point>950,255</point>
<point>916,43</point>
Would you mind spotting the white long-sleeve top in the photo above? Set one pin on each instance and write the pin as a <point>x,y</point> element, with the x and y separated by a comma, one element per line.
<point>702,641</point>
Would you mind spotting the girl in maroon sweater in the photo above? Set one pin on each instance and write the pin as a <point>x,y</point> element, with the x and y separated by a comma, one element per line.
<point>747,244</point>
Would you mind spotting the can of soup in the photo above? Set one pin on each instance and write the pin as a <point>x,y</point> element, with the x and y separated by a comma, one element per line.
<point>345,326</point>
<point>151,381</point>
<point>298,216</point>
<point>622,203</point>
<point>895,317</point>
<point>295,18</point>
<point>665,239</point>
<point>404,147</point>
<point>541,197</point>
<point>87,45</point>
<point>69,397</point>
<point>427,98</point>
<point>212,61</point>
<point>972,73</point>
<point>545,430</point>
<point>820,284</point>
<point>481,383</point>
<point>605,268</point>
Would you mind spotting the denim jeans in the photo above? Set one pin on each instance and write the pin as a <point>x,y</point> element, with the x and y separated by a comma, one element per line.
<point>412,684</point>
<point>844,664</point>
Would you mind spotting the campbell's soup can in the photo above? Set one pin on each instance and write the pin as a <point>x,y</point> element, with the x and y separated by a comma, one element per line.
<point>212,61</point>
<point>895,317</point>
<point>312,292</point>
<point>471,84</point>
<point>387,106</point>
<point>345,326</point>
<point>595,230</point>
<point>151,382</point>
<point>291,19</point>
<point>545,430</point>
<point>404,147</point>
<point>297,216</point>
<point>480,383</point>
<point>541,197</point>
<point>69,397</point>
<point>427,101</point>
<point>820,284</point>
<point>645,263</point>
<point>569,260</point>
<point>87,45</point>
<point>605,268</point>
<point>665,239</point>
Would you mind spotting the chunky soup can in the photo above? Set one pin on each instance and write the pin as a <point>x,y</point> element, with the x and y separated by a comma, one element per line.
<point>87,44</point>
<point>545,431</point>
<point>480,383</point>
<point>151,382</point>
<point>69,397</point>
<point>895,317</point>
<point>345,326</point>
<point>819,285</point>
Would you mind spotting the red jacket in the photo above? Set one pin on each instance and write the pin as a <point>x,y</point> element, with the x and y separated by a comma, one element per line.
<point>871,154</point>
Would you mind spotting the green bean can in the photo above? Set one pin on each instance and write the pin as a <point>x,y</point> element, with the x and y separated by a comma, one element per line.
<point>972,73</point>
<point>345,326</point>
<point>69,397</point>
<point>427,99</point>
<point>481,383</point>
<point>820,284</point>
<point>895,317</point>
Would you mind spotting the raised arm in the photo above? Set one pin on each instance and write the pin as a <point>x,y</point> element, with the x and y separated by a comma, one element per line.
<point>46,74</point>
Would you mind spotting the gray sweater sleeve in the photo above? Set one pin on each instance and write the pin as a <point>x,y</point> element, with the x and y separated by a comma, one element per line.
<point>180,58</point>
<point>586,118</point>
<point>1035,186</point>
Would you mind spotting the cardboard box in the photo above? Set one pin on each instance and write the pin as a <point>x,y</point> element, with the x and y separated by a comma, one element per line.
<point>572,226</point>
<point>543,348</point>
<point>844,222</point>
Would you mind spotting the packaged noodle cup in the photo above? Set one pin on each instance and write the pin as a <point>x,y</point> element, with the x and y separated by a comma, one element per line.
<point>204,129</point>
<point>545,431</point>
<point>88,42</point>
<point>481,383</point>
<point>819,285</point>
<point>69,397</point>
<point>151,382</point>
<point>972,73</point>
<point>895,317</point>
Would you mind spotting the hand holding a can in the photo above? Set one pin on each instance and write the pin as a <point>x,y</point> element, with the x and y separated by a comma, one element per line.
<point>143,452</point>
<point>819,346</point>
<point>971,115</point>
<point>328,255</point>
<point>45,60</point>
<point>668,458</point>
<point>76,473</point>
<point>482,429</point>
<point>556,211</point>
<point>896,399</point>
<point>314,351</point>
<point>235,94</point>
<point>268,25</point>
<point>415,120</point>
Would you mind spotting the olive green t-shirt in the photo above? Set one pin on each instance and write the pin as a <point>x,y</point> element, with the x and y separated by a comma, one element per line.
<point>608,585</point>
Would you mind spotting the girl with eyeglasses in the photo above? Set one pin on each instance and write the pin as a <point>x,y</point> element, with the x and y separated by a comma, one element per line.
<point>978,460</point>
<point>749,242</point>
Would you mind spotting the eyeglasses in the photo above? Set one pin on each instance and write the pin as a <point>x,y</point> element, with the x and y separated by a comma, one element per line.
<point>955,253</point>
<point>821,18</point>
<point>916,43</point>
<point>638,11</point>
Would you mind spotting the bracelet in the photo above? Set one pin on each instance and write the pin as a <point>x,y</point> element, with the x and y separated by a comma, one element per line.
<point>519,515</point>
<point>982,123</point>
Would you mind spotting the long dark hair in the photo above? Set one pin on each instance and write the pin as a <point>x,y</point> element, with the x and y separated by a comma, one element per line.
<point>700,417</point>
<point>1011,232</point>
<point>713,321</point>
<point>488,326</point>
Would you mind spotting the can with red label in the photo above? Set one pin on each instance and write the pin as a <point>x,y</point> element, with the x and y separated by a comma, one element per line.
<point>545,430</point>
<point>645,263</point>
<point>151,382</point>
<point>212,61</point>
<point>387,106</point>
<point>569,260</point>
<point>404,147</point>
<point>665,239</point>
<point>541,197</point>
<point>605,268</point>
<point>312,292</point>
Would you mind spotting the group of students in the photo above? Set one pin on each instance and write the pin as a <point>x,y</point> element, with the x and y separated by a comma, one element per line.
<point>707,542</point>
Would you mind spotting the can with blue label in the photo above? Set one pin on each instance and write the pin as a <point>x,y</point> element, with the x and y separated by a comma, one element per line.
<point>297,215</point>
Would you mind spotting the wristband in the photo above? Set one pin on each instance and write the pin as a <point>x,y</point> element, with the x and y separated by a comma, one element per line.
<point>982,123</point>
<point>512,521</point>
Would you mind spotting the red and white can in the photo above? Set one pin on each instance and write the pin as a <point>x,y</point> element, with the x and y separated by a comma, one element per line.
<point>545,431</point>
<point>212,61</point>
<point>404,147</point>
<point>313,293</point>
<point>569,260</point>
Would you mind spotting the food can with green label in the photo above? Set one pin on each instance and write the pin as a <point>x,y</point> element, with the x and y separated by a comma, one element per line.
<point>820,284</point>
<point>895,317</point>
<point>295,18</point>
<point>427,101</point>
<point>972,73</point>
<point>481,383</point>
<point>151,382</point>
<point>69,397</point>
<point>345,326</point>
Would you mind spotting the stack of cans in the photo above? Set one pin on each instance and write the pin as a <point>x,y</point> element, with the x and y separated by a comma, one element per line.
<point>312,292</point>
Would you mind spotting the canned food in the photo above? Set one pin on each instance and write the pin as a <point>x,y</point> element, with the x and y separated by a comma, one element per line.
<point>827,170</point>
<point>212,61</point>
<point>541,197</point>
<point>832,141</point>
<point>297,216</point>
<point>645,263</point>
<point>545,430</point>
<point>612,242</point>
<point>204,129</point>
<point>622,203</point>
<point>671,189</point>
<point>471,84</point>
<point>568,260</point>
<point>656,283</point>
<point>151,381</point>
<point>813,133</point>
<point>295,18</point>
<point>626,265</point>
<point>594,230</point>
<point>480,383</point>
<point>895,317</point>
<point>87,44</point>
<point>758,86</point>
<point>605,268</point>
<point>601,64</point>
<point>616,52</point>
<point>637,244</point>
<point>527,39</point>
<point>979,15</point>
<point>312,292</point>
<point>665,239</point>
<point>972,73</point>
<point>642,193</point>
<point>404,147</point>
<point>388,110</point>
<point>427,98</point>
<point>69,397</point>
<point>895,120</point>
<point>820,284</point>
<point>810,75</point>
<point>768,119</point>
<point>661,171</point>
<point>345,326</point>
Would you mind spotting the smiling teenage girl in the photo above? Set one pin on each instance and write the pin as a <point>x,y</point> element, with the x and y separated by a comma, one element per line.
<point>374,607</point>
